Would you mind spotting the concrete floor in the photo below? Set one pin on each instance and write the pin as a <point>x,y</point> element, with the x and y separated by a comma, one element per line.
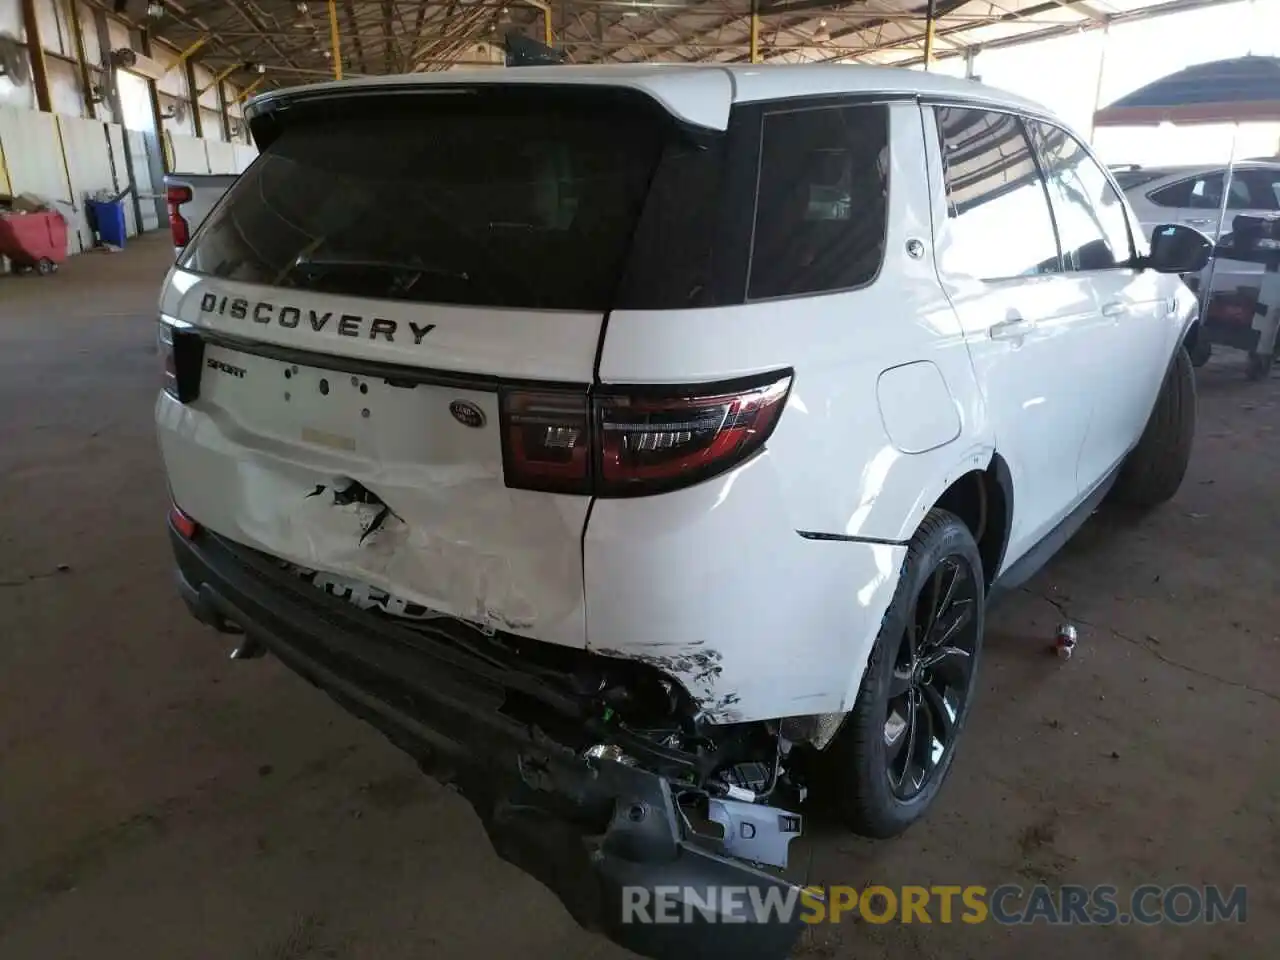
<point>158,800</point>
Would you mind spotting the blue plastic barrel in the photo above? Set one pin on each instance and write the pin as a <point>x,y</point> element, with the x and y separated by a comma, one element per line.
<point>108,219</point>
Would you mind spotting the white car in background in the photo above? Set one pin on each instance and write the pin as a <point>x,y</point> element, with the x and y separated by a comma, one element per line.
<point>652,452</point>
<point>1241,310</point>
<point>1192,196</point>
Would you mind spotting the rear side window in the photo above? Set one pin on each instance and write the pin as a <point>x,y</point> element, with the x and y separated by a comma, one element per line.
<point>820,201</point>
<point>509,199</point>
<point>1093,229</point>
<point>998,210</point>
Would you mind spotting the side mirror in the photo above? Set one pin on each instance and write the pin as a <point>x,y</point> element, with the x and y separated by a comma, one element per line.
<point>1178,249</point>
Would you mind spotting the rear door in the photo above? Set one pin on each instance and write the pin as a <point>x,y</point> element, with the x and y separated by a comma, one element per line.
<point>1127,351</point>
<point>1026,321</point>
<point>400,305</point>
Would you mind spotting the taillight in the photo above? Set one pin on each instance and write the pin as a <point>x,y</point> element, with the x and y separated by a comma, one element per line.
<point>545,441</point>
<point>651,442</point>
<point>181,356</point>
<point>184,524</point>
<point>637,440</point>
<point>178,225</point>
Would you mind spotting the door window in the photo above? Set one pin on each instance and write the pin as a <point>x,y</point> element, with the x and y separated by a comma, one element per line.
<point>821,200</point>
<point>1250,190</point>
<point>1093,227</point>
<point>997,208</point>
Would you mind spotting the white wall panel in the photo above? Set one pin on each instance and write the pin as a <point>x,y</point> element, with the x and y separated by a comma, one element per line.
<point>33,157</point>
<point>116,133</point>
<point>64,88</point>
<point>89,162</point>
<point>212,122</point>
<point>53,35</point>
<point>187,154</point>
<point>119,34</point>
<point>92,49</point>
<point>142,172</point>
<point>33,153</point>
<point>11,18</point>
<point>23,98</point>
<point>245,155</point>
<point>222,157</point>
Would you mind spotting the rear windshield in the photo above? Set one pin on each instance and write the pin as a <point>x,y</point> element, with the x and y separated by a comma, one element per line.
<point>510,200</point>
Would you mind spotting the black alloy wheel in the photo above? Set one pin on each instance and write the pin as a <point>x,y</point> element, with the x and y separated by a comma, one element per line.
<point>932,676</point>
<point>895,748</point>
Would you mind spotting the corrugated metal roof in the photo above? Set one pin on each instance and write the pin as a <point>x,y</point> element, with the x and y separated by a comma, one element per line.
<point>293,39</point>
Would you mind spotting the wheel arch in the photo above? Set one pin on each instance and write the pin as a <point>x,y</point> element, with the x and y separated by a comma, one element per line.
<point>983,500</point>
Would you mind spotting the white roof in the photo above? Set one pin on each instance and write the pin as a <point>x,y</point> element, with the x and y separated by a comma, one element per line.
<point>701,93</point>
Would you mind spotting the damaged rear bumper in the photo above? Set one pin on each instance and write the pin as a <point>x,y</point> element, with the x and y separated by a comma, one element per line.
<point>603,836</point>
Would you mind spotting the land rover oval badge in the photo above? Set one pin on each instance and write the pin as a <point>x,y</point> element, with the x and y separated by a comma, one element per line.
<point>467,413</point>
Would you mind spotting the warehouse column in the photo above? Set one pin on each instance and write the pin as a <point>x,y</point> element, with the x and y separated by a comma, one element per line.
<point>144,41</point>
<point>86,81</point>
<point>930,23</point>
<point>755,31</point>
<point>193,89</point>
<point>35,49</point>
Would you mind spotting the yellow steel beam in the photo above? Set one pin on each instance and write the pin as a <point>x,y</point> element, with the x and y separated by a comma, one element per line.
<point>335,39</point>
<point>546,18</point>
<point>755,31</point>
<point>247,91</point>
<point>186,54</point>
<point>218,78</point>
<point>82,62</point>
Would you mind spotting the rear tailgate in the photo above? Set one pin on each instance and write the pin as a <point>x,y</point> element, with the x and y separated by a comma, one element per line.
<point>375,283</point>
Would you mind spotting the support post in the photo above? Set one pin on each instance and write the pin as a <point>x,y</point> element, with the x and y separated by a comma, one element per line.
<point>35,48</point>
<point>193,91</point>
<point>334,39</point>
<point>1097,88</point>
<point>153,93</point>
<point>755,31</point>
<point>970,62</point>
<point>931,20</point>
<point>222,113</point>
<point>86,79</point>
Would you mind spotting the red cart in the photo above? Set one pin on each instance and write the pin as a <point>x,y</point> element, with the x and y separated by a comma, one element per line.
<point>37,241</point>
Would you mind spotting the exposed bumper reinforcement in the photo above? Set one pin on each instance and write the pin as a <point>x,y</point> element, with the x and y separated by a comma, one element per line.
<point>594,833</point>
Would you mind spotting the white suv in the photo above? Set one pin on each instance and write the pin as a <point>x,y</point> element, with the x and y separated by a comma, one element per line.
<point>640,447</point>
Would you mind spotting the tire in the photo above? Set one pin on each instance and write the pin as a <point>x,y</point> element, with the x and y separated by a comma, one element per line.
<point>861,767</point>
<point>1153,471</point>
<point>45,266</point>
<point>1259,367</point>
<point>1201,352</point>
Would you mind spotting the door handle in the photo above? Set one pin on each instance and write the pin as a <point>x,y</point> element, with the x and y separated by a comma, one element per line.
<point>1015,328</point>
<point>1198,221</point>
<point>1114,309</point>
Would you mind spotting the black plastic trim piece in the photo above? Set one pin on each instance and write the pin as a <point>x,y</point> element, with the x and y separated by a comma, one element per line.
<point>815,535</point>
<point>1029,564</point>
<point>394,373</point>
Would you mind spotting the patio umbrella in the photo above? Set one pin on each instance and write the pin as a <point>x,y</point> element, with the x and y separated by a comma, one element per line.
<point>1241,90</point>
